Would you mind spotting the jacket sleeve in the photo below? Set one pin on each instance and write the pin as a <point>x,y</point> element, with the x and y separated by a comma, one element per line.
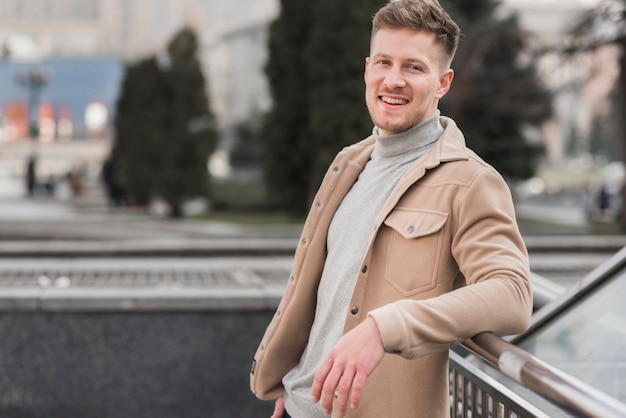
<point>491,255</point>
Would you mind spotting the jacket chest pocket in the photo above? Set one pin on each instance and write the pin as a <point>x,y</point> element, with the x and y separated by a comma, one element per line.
<point>414,249</point>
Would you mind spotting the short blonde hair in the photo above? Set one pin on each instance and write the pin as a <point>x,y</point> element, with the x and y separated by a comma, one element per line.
<point>418,15</point>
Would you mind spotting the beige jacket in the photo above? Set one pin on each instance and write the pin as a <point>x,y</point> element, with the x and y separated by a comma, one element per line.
<point>445,262</point>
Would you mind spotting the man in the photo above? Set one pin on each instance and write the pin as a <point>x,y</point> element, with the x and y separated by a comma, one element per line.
<point>411,246</point>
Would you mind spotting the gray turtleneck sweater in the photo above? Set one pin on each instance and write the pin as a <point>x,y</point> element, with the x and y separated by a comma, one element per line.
<point>348,236</point>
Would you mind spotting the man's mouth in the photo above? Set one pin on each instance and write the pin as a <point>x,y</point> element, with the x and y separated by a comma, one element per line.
<point>393,100</point>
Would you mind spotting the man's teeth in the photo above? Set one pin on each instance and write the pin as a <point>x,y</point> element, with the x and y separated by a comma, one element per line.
<point>393,101</point>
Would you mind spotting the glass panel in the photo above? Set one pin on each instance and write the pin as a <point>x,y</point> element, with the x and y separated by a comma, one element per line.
<point>588,339</point>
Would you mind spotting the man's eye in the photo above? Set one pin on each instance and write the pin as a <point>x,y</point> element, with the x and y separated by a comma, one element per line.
<point>416,68</point>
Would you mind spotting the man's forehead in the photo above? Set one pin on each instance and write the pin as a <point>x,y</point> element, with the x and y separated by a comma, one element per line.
<point>408,44</point>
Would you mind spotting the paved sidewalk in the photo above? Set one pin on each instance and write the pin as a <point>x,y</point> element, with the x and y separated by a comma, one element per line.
<point>80,255</point>
<point>41,219</point>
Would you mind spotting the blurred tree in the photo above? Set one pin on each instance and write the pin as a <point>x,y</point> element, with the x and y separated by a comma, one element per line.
<point>165,129</point>
<point>286,147</point>
<point>140,124</point>
<point>246,150</point>
<point>471,14</point>
<point>191,135</point>
<point>496,92</point>
<point>315,69</point>
<point>338,44</point>
<point>602,25</point>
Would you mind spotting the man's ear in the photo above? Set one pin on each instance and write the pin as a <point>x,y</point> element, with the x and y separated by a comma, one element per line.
<point>445,81</point>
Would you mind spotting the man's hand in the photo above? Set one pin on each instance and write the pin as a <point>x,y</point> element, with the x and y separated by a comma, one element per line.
<point>279,408</point>
<point>347,366</point>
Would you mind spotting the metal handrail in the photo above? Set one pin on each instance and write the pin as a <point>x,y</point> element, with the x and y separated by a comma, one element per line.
<point>567,392</point>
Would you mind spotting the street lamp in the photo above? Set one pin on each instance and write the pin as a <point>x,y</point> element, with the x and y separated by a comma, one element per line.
<point>34,80</point>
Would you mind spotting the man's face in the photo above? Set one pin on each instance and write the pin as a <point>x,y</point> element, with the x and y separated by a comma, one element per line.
<point>405,76</point>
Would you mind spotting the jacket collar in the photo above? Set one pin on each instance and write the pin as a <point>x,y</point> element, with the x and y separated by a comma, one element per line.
<point>449,147</point>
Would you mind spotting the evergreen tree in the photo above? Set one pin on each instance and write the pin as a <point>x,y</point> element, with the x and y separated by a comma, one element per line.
<point>164,128</point>
<point>315,70</point>
<point>246,150</point>
<point>338,45</point>
<point>496,93</point>
<point>471,14</point>
<point>140,124</point>
<point>191,135</point>
<point>287,149</point>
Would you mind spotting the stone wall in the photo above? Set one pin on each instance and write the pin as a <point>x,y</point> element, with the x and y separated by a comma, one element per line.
<point>129,364</point>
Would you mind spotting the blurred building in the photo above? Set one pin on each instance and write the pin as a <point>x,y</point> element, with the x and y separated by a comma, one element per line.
<point>235,51</point>
<point>69,89</point>
<point>70,28</point>
<point>547,18</point>
<point>583,84</point>
<point>103,34</point>
<point>84,34</point>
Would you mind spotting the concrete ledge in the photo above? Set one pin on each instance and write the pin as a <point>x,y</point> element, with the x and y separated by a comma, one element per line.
<point>575,243</point>
<point>142,284</point>
<point>158,247</point>
<point>140,300</point>
<point>217,247</point>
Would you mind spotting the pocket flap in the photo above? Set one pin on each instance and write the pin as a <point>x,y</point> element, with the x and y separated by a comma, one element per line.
<point>414,223</point>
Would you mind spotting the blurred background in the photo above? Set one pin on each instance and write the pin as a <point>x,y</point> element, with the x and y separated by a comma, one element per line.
<point>197,107</point>
<point>158,157</point>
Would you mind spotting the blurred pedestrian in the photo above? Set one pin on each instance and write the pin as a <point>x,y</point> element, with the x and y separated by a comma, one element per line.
<point>31,175</point>
<point>411,246</point>
<point>49,185</point>
<point>76,182</point>
<point>115,191</point>
<point>604,199</point>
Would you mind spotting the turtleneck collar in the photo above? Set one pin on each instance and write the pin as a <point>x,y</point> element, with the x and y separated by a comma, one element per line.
<point>413,139</point>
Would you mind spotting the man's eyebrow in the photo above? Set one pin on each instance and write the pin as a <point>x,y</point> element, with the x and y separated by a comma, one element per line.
<point>407,60</point>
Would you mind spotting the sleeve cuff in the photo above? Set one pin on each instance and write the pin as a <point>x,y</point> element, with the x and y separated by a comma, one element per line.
<point>392,328</point>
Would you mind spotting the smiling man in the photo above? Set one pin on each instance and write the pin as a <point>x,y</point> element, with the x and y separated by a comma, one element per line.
<point>411,246</point>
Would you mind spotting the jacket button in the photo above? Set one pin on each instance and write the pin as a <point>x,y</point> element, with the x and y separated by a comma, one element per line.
<point>411,229</point>
<point>335,169</point>
<point>364,269</point>
<point>354,310</point>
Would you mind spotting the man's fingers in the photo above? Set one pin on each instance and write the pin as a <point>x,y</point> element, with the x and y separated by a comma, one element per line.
<point>342,375</point>
<point>342,392</point>
<point>357,388</point>
<point>329,388</point>
<point>320,378</point>
<point>279,408</point>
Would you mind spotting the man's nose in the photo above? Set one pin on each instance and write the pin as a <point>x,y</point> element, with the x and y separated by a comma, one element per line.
<point>394,78</point>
